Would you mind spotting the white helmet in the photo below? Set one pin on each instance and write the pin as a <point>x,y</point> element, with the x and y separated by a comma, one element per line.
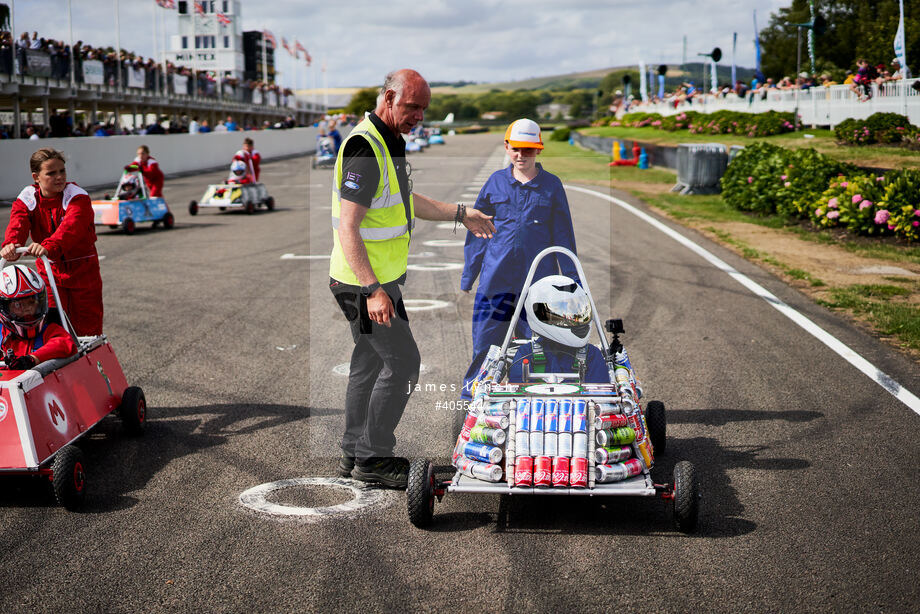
<point>559,310</point>
<point>238,168</point>
<point>23,300</point>
<point>129,188</point>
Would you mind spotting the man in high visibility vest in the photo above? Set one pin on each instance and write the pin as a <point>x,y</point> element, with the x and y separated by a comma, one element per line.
<point>373,214</point>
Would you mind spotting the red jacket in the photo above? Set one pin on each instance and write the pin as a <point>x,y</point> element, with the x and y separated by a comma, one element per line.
<point>153,176</point>
<point>251,175</point>
<point>53,342</point>
<point>256,159</point>
<point>64,225</point>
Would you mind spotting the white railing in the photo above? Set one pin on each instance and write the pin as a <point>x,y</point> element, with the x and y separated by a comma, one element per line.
<point>818,106</point>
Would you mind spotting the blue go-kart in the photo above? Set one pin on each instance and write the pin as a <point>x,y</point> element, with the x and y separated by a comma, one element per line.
<point>132,204</point>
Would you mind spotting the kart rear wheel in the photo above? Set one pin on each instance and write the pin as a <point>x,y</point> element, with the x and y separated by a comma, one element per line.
<point>169,220</point>
<point>129,226</point>
<point>133,410</point>
<point>686,497</point>
<point>420,493</point>
<point>68,477</point>
<point>270,203</point>
<point>222,208</point>
<point>657,422</point>
<point>250,207</point>
<point>193,208</point>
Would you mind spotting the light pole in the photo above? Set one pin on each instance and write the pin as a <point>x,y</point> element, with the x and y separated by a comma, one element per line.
<point>818,25</point>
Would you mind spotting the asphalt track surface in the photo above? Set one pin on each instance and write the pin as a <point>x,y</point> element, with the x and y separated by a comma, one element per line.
<point>808,468</point>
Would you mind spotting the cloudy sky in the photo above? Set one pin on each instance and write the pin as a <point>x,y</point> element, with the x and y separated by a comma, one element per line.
<point>473,40</point>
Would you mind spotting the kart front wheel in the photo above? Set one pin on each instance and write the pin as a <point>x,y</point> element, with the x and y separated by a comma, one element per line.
<point>420,493</point>
<point>133,410</point>
<point>686,497</point>
<point>169,221</point>
<point>129,226</point>
<point>68,477</point>
<point>270,203</point>
<point>193,208</point>
<point>250,207</point>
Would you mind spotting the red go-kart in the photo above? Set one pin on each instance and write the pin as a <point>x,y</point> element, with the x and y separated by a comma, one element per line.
<point>46,409</point>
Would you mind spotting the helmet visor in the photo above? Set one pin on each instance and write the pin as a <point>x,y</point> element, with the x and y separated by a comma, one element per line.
<point>571,312</point>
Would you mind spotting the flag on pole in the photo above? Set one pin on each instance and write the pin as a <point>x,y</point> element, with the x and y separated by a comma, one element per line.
<point>287,47</point>
<point>224,19</point>
<point>734,48</point>
<point>270,38</point>
<point>899,50</point>
<point>199,7</point>
<point>298,47</point>
<point>166,4</point>
<point>643,84</point>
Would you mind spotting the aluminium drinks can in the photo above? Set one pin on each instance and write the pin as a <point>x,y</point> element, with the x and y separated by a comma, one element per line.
<point>479,470</point>
<point>566,410</point>
<point>580,422</point>
<point>613,437</point>
<point>609,421</point>
<point>484,434</point>
<point>537,415</point>
<point>522,443</point>
<point>542,471</point>
<point>482,452</point>
<point>578,473</point>
<point>522,416</point>
<point>564,445</point>
<point>580,445</point>
<point>494,422</point>
<point>523,471</point>
<point>611,454</point>
<point>561,469</point>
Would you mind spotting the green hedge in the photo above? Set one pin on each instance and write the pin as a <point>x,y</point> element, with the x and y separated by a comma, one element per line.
<point>720,122</point>
<point>805,184</point>
<point>885,128</point>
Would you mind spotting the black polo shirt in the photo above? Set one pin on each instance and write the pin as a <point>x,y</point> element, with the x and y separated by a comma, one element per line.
<point>360,173</point>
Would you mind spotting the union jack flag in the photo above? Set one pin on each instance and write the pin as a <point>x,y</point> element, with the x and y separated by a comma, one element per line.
<point>224,19</point>
<point>270,38</point>
<point>284,44</point>
<point>199,8</point>
<point>166,4</point>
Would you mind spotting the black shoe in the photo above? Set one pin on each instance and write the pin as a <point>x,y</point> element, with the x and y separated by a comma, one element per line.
<point>389,472</point>
<point>346,464</point>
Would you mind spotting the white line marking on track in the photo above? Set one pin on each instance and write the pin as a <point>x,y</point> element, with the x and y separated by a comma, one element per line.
<point>424,304</point>
<point>470,195</point>
<point>444,243</point>
<point>867,368</point>
<point>447,226</point>
<point>310,257</point>
<point>365,499</point>
<point>436,266</point>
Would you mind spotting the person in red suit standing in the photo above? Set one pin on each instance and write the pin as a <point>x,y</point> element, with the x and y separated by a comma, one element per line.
<point>58,215</point>
<point>150,169</point>
<point>254,156</point>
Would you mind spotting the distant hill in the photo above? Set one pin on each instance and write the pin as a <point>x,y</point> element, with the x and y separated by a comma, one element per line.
<point>692,71</point>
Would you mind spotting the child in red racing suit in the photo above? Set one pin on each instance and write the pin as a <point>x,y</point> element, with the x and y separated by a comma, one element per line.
<point>59,217</point>
<point>254,156</point>
<point>27,338</point>
<point>150,170</point>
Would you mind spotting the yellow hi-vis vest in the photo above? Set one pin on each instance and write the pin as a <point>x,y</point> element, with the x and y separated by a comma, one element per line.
<point>385,229</point>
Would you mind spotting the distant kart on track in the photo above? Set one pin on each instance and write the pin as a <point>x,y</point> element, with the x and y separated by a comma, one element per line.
<point>132,204</point>
<point>325,153</point>
<point>246,196</point>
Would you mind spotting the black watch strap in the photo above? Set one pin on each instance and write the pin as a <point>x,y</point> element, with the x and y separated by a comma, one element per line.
<point>366,291</point>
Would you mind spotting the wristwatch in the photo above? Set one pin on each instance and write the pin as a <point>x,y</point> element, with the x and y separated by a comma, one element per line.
<point>366,291</point>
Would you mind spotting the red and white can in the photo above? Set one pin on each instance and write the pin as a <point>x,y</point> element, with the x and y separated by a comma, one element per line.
<point>578,473</point>
<point>561,468</point>
<point>523,471</point>
<point>637,424</point>
<point>464,435</point>
<point>543,471</point>
<point>610,421</point>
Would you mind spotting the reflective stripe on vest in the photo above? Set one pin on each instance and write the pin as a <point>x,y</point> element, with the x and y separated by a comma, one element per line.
<point>379,234</point>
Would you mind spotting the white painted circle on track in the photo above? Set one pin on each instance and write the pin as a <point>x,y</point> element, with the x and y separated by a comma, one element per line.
<point>364,499</point>
<point>444,243</point>
<point>436,266</point>
<point>424,304</point>
<point>447,226</point>
<point>423,255</point>
<point>344,368</point>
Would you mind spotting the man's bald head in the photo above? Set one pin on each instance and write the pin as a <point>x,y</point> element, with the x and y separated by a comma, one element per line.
<point>402,100</point>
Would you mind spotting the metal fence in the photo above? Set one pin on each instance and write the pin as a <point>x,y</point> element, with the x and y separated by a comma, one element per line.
<point>818,106</point>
